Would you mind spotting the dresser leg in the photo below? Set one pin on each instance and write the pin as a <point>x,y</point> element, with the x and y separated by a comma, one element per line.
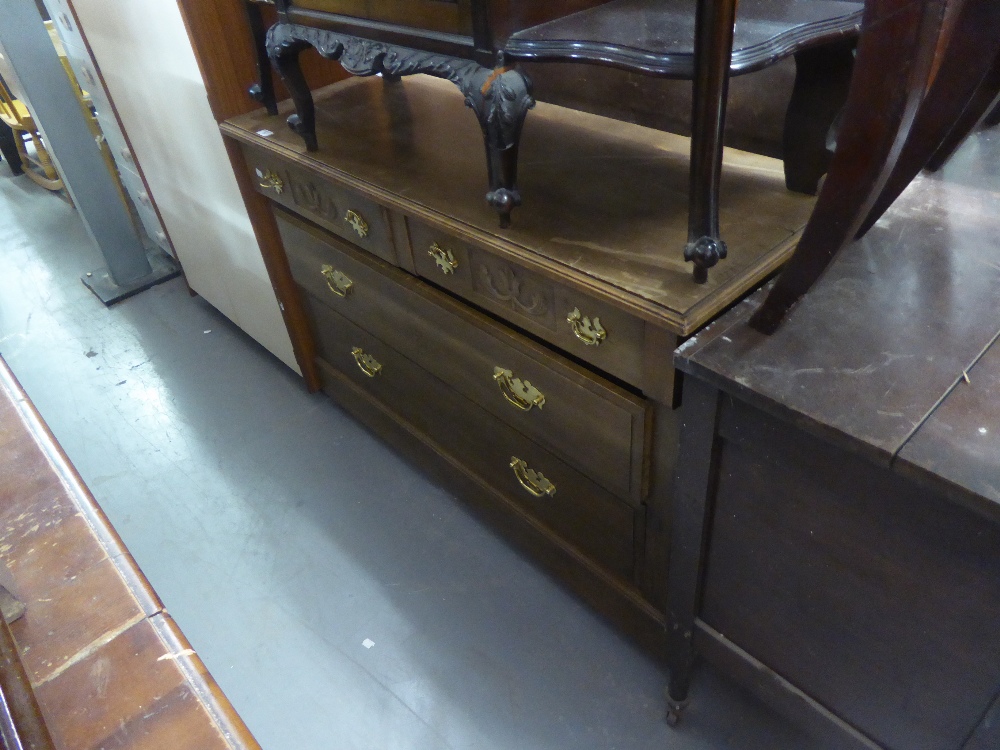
<point>284,55</point>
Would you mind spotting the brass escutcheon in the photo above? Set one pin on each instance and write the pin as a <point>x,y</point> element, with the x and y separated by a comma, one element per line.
<point>366,362</point>
<point>338,282</point>
<point>590,333</point>
<point>533,481</point>
<point>358,224</point>
<point>520,393</point>
<point>271,180</point>
<point>443,257</point>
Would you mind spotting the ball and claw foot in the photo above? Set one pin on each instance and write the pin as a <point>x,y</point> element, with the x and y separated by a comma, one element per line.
<point>308,135</point>
<point>504,201</point>
<point>704,252</point>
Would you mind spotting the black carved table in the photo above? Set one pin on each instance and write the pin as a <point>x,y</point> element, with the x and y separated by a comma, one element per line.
<point>473,43</point>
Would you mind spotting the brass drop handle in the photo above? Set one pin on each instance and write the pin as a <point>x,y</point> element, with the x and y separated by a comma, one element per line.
<point>591,333</point>
<point>444,258</point>
<point>338,282</point>
<point>366,362</point>
<point>533,481</point>
<point>357,222</point>
<point>270,180</point>
<point>520,393</point>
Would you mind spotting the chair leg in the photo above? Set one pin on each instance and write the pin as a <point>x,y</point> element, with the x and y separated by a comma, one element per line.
<point>263,90</point>
<point>984,105</point>
<point>43,158</point>
<point>993,118</point>
<point>966,61</point>
<point>713,52</point>
<point>893,65</point>
<point>8,147</point>
<point>822,79</point>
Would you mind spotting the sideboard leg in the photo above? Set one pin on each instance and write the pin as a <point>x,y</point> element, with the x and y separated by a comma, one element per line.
<point>693,480</point>
<point>285,58</point>
<point>501,104</point>
<point>822,78</point>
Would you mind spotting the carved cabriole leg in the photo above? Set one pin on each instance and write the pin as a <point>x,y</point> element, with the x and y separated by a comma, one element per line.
<point>263,90</point>
<point>822,78</point>
<point>500,98</point>
<point>283,51</point>
<point>713,51</point>
<point>501,104</point>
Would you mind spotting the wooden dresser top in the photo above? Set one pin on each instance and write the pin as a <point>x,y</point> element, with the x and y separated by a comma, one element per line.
<point>605,202</point>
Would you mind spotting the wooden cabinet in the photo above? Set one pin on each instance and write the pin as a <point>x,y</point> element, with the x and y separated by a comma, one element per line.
<point>837,513</point>
<point>529,369</point>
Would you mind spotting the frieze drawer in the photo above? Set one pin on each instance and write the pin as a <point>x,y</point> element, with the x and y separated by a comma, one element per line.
<point>590,423</point>
<point>595,332</point>
<point>340,210</point>
<point>573,507</point>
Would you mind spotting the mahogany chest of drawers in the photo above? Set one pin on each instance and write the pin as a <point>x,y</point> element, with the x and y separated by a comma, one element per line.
<point>528,369</point>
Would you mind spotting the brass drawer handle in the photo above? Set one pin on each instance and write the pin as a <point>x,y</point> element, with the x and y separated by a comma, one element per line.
<point>368,364</point>
<point>270,180</point>
<point>590,333</point>
<point>444,258</point>
<point>358,224</point>
<point>520,393</point>
<point>338,282</point>
<point>533,481</point>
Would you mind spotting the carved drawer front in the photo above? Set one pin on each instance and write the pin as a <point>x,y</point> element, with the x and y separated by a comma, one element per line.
<point>593,331</point>
<point>570,505</point>
<point>338,209</point>
<point>590,423</point>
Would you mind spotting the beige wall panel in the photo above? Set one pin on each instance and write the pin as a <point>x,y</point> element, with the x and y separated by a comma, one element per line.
<point>143,51</point>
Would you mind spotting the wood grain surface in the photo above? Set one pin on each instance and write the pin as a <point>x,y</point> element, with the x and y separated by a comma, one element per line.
<point>107,664</point>
<point>605,202</point>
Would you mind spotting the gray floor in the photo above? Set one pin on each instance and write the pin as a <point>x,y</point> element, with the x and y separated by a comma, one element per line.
<point>281,536</point>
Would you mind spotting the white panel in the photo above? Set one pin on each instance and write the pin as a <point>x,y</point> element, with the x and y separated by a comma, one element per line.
<point>143,51</point>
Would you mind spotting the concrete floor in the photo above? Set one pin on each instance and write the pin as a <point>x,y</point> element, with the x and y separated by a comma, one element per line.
<point>281,535</point>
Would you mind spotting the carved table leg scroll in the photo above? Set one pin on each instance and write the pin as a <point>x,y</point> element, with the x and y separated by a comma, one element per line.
<point>500,98</point>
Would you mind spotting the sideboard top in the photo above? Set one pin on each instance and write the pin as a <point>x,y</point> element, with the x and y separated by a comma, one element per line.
<point>605,202</point>
<point>894,353</point>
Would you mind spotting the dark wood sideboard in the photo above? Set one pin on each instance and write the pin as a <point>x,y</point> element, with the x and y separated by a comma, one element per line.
<point>528,369</point>
<point>837,513</point>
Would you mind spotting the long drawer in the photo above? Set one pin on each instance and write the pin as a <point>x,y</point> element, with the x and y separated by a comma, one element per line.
<point>574,508</point>
<point>585,327</point>
<point>590,423</point>
<point>335,208</point>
